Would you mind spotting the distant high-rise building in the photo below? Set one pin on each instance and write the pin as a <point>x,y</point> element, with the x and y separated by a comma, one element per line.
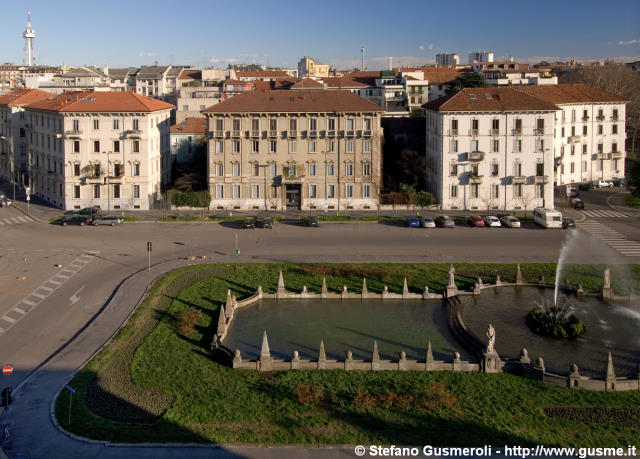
<point>448,59</point>
<point>310,67</point>
<point>29,34</point>
<point>480,56</point>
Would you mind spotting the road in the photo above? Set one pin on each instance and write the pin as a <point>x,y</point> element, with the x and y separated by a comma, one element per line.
<point>58,304</point>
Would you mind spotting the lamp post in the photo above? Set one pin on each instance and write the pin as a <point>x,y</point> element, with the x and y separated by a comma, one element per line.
<point>108,186</point>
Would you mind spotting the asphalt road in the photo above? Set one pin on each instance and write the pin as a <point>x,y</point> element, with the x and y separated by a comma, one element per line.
<point>75,309</point>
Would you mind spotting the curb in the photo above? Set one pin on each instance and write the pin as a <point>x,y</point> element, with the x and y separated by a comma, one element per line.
<point>28,215</point>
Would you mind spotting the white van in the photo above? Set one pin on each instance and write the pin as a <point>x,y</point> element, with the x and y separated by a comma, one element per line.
<point>547,218</point>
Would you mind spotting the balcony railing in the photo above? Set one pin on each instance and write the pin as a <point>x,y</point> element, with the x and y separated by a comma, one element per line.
<point>585,118</point>
<point>133,133</point>
<point>331,133</point>
<point>494,132</point>
<point>517,131</point>
<point>538,131</point>
<point>255,134</point>
<point>541,179</point>
<point>453,132</point>
<point>473,132</point>
<point>518,179</point>
<point>614,117</point>
<point>366,133</point>
<point>235,134</point>
<point>273,134</point>
<point>573,139</point>
<point>72,133</point>
<point>349,133</point>
<point>312,133</point>
<point>601,155</point>
<point>293,133</point>
<point>616,155</point>
<point>475,155</point>
<point>218,134</point>
<point>600,117</point>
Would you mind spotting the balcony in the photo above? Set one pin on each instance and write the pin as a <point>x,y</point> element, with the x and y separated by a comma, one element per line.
<point>331,133</point>
<point>134,133</point>
<point>293,133</point>
<point>273,134</point>
<point>494,131</point>
<point>541,179</point>
<point>601,155</point>
<point>614,117</point>
<point>585,118</point>
<point>573,139</point>
<point>538,131</point>
<point>453,132</point>
<point>218,134</point>
<point>93,179</point>
<point>600,117</point>
<point>475,155</point>
<point>312,134</point>
<point>349,133</point>
<point>616,155</point>
<point>114,179</point>
<point>235,134</point>
<point>473,132</point>
<point>255,134</point>
<point>475,178</point>
<point>366,133</point>
<point>517,131</point>
<point>73,134</point>
<point>518,179</point>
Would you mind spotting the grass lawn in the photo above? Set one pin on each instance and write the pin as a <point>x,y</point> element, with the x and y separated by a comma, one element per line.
<point>155,373</point>
<point>632,201</point>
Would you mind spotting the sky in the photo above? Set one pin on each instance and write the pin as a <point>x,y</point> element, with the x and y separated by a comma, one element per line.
<point>215,33</point>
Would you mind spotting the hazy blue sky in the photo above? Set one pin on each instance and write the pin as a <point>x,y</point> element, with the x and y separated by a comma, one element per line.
<point>278,33</point>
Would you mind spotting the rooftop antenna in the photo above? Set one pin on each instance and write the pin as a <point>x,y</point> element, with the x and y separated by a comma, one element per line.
<point>362,51</point>
<point>29,34</point>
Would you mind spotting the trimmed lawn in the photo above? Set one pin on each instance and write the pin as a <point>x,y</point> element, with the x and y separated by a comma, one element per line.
<point>633,201</point>
<point>154,383</point>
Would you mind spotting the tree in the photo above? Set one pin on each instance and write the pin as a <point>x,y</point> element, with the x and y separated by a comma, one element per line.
<point>525,199</point>
<point>417,198</point>
<point>634,177</point>
<point>467,80</point>
<point>488,200</point>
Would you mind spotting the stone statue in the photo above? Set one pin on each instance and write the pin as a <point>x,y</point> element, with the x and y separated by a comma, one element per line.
<point>491,334</point>
<point>452,273</point>
<point>607,278</point>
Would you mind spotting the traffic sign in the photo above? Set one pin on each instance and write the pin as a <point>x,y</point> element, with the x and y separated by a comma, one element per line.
<point>28,190</point>
<point>148,246</point>
<point>28,198</point>
<point>7,370</point>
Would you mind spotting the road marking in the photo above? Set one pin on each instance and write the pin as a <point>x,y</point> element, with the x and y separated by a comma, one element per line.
<point>74,298</point>
<point>7,221</point>
<point>15,220</point>
<point>23,219</point>
<point>612,238</point>
<point>604,213</point>
<point>34,298</point>
<point>1,222</point>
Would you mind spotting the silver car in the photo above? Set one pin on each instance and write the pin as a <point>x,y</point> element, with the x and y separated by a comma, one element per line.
<point>491,220</point>
<point>107,220</point>
<point>510,221</point>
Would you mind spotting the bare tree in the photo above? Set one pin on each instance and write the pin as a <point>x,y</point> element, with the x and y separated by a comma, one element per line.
<point>525,200</point>
<point>488,200</point>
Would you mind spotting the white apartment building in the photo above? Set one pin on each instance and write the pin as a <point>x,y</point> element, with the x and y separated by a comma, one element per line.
<point>448,59</point>
<point>589,132</point>
<point>513,73</point>
<point>98,148</point>
<point>303,149</point>
<point>490,149</point>
<point>152,81</point>
<point>195,92</point>
<point>480,56</point>
<point>14,125</point>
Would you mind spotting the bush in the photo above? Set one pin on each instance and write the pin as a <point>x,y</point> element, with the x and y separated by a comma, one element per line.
<point>190,198</point>
<point>188,319</point>
<point>555,323</point>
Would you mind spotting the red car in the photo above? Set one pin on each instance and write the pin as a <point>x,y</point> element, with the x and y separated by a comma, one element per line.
<point>476,220</point>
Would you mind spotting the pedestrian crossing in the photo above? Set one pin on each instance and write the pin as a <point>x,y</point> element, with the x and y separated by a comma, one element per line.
<point>612,238</point>
<point>603,213</point>
<point>15,220</point>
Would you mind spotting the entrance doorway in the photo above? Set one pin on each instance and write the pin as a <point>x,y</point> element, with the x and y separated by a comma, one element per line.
<point>292,195</point>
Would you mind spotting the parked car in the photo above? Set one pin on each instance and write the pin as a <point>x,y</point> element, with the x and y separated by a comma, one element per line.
<point>491,220</point>
<point>475,220</point>
<point>313,221</point>
<point>510,221</point>
<point>576,203</point>
<point>619,182</point>
<point>427,222</point>
<point>107,220</point>
<point>76,220</point>
<point>413,222</point>
<point>249,222</point>
<point>604,184</point>
<point>4,201</point>
<point>445,221</point>
<point>266,222</point>
<point>574,193</point>
<point>568,223</point>
<point>90,211</point>
<point>586,186</point>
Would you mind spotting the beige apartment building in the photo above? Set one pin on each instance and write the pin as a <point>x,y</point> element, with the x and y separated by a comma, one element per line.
<point>304,149</point>
<point>107,149</point>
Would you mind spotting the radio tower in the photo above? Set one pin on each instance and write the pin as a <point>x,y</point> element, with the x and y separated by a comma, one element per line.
<point>29,34</point>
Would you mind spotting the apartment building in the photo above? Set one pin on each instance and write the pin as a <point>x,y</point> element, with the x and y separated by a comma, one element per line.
<point>480,56</point>
<point>448,59</point>
<point>185,137</point>
<point>14,125</point>
<point>513,73</point>
<point>310,67</point>
<point>303,149</point>
<point>589,132</point>
<point>152,81</point>
<point>490,149</point>
<point>98,148</point>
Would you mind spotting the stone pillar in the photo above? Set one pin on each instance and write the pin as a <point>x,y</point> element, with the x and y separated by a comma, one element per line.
<point>574,377</point>
<point>405,289</point>
<point>606,292</point>
<point>375,357</point>
<point>610,381</point>
<point>344,291</point>
<point>322,357</point>
<point>237,359</point>
<point>429,358</point>
<point>222,323</point>
<point>498,280</point>
<point>402,363</point>
<point>259,292</point>
<point>518,275</point>
<point>385,292</point>
<point>365,292</point>
<point>295,361</point>
<point>266,362</point>
<point>480,284</point>
<point>457,362</point>
<point>492,362</point>
<point>304,291</point>
<point>281,290</point>
<point>324,287</point>
<point>348,361</point>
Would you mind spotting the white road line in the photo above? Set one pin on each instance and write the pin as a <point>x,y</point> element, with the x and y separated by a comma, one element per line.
<point>23,219</point>
<point>46,288</point>
<point>18,310</point>
<point>38,295</point>
<point>30,303</point>
<point>55,282</point>
<point>15,220</point>
<point>9,319</point>
<point>7,221</point>
<point>76,266</point>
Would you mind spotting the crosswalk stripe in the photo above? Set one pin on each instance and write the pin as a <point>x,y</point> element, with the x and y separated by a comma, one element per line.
<point>9,319</point>
<point>604,213</point>
<point>7,221</point>
<point>23,219</point>
<point>15,220</point>
<point>18,310</point>
<point>30,303</point>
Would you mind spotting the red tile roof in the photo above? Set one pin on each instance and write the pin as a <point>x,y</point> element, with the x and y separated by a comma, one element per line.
<point>23,97</point>
<point>263,74</point>
<point>307,83</point>
<point>98,101</point>
<point>190,126</point>
<point>489,100</point>
<point>188,74</point>
<point>303,100</point>
<point>349,82</point>
<point>570,93</point>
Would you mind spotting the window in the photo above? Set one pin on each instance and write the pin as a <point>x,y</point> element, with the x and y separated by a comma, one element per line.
<point>116,124</point>
<point>273,169</point>
<point>454,127</point>
<point>517,190</point>
<point>331,146</point>
<point>116,146</point>
<point>517,169</point>
<point>495,145</point>
<point>76,146</point>
<point>236,191</point>
<point>236,146</point>
<point>573,150</point>
<point>453,169</point>
<point>136,191</point>
<point>350,124</point>
<point>292,170</point>
<point>474,126</point>
<point>255,169</point>
<point>366,146</point>
<point>474,190</point>
<point>136,169</point>
<point>367,124</point>
<point>219,125</point>
<point>331,191</point>
<point>349,169</point>
<point>540,124</point>
<point>539,144</point>
<point>118,170</point>
<point>96,146</point>
<point>255,191</point>
<point>349,191</point>
<point>584,149</point>
<point>236,125</point>
<point>614,147</point>
<point>572,168</point>
<point>255,147</point>
<point>136,146</point>
<point>349,146</point>
<point>366,191</point>
<point>255,124</point>
<point>495,191</point>
<point>517,146</point>
<point>495,126</point>
<point>96,124</point>
<point>615,114</point>
<point>539,191</point>
<point>76,169</point>
<point>474,145</point>
<point>76,191</point>
<point>366,169</point>
<point>313,123</point>
<point>273,124</point>
<point>312,146</point>
<point>600,148</point>
<point>292,146</point>
<point>219,191</point>
<point>615,165</point>
<point>312,169</point>
<point>494,169</point>
<point>312,191</point>
<point>584,130</point>
<point>219,146</point>
<point>330,169</point>
<point>599,129</point>
<point>76,125</point>
<point>562,132</point>
<point>96,190</point>
<point>584,166</point>
<point>273,145</point>
<point>116,190</point>
<point>219,169</point>
<point>331,124</point>
<point>614,129</point>
<point>453,191</point>
<point>518,125</point>
<point>236,169</point>
<point>293,124</point>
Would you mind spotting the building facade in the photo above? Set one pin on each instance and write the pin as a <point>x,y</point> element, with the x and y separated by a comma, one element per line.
<point>310,67</point>
<point>513,73</point>
<point>303,149</point>
<point>490,149</point>
<point>480,56</point>
<point>98,148</point>
<point>448,59</point>
<point>589,141</point>
<point>185,139</point>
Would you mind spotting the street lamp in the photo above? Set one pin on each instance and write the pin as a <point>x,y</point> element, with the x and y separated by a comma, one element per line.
<point>108,186</point>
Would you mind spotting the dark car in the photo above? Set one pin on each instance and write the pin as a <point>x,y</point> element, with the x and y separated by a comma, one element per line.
<point>249,222</point>
<point>76,220</point>
<point>619,182</point>
<point>313,221</point>
<point>413,222</point>
<point>568,223</point>
<point>90,211</point>
<point>586,186</point>
<point>266,222</point>
<point>444,221</point>
<point>475,220</point>
<point>577,203</point>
